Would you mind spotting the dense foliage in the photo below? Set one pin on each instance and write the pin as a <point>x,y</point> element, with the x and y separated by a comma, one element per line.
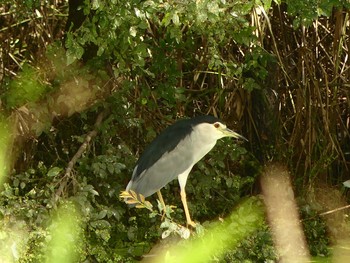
<point>84,89</point>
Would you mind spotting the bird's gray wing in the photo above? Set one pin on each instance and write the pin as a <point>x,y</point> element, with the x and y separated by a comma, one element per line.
<point>165,169</point>
<point>164,143</point>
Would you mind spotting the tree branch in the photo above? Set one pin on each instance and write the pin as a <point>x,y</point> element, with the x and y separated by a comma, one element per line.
<point>67,174</point>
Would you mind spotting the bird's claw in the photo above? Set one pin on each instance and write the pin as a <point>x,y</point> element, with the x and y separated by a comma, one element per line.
<point>191,223</point>
<point>163,215</point>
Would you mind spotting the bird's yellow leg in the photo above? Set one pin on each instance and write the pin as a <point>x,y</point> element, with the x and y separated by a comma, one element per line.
<point>187,212</point>
<point>161,200</point>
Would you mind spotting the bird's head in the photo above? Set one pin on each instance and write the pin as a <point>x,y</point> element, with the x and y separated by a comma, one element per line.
<point>219,129</point>
<point>215,129</point>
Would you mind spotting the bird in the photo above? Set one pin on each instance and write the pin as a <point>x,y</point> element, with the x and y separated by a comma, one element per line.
<point>173,153</point>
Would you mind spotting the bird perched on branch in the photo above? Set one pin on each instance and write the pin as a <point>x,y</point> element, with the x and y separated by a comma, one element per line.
<point>173,153</point>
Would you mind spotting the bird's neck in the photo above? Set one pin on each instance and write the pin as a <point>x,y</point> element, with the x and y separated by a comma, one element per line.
<point>201,145</point>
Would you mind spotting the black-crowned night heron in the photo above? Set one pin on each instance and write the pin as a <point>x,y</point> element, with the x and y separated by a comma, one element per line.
<point>173,154</point>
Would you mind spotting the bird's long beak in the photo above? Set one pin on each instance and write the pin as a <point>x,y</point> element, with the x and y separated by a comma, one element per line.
<point>231,133</point>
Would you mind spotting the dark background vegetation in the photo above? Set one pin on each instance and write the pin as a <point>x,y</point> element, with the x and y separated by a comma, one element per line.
<point>87,85</point>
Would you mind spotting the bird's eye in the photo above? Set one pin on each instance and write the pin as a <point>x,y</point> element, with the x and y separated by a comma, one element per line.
<point>216,125</point>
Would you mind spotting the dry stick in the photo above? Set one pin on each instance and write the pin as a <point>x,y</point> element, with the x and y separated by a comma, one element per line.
<point>288,78</point>
<point>335,210</point>
<point>335,143</point>
<point>77,155</point>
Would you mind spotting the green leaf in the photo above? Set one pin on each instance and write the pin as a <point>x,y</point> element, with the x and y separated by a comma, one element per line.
<point>166,19</point>
<point>176,19</point>
<point>16,182</point>
<point>54,171</point>
<point>133,31</point>
<point>100,224</point>
<point>102,214</point>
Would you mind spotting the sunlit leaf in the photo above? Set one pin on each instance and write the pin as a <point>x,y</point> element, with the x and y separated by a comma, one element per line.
<point>132,201</point>
<point>148,205</point>
<point>184,232</point>
<point>176,19</point>
<point>347,183</point>
<point>166,233</point>
<point>54,171</point>
<point>142,198</point>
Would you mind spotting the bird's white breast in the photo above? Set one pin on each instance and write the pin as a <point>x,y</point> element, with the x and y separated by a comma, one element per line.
<point>202,141</point>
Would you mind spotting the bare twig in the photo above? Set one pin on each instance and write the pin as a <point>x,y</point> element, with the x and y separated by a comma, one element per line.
<point>67,175</point>
<point>334,210</point>
<point>83,147</point>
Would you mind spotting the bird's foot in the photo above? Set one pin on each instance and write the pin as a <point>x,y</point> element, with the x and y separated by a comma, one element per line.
<point>191,223</point>
<point>163,215</point>
<point>165,210</point>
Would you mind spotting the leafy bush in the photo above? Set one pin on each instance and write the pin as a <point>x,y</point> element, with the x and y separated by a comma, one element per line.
<point>258,247</point>
<point>316,232</point>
